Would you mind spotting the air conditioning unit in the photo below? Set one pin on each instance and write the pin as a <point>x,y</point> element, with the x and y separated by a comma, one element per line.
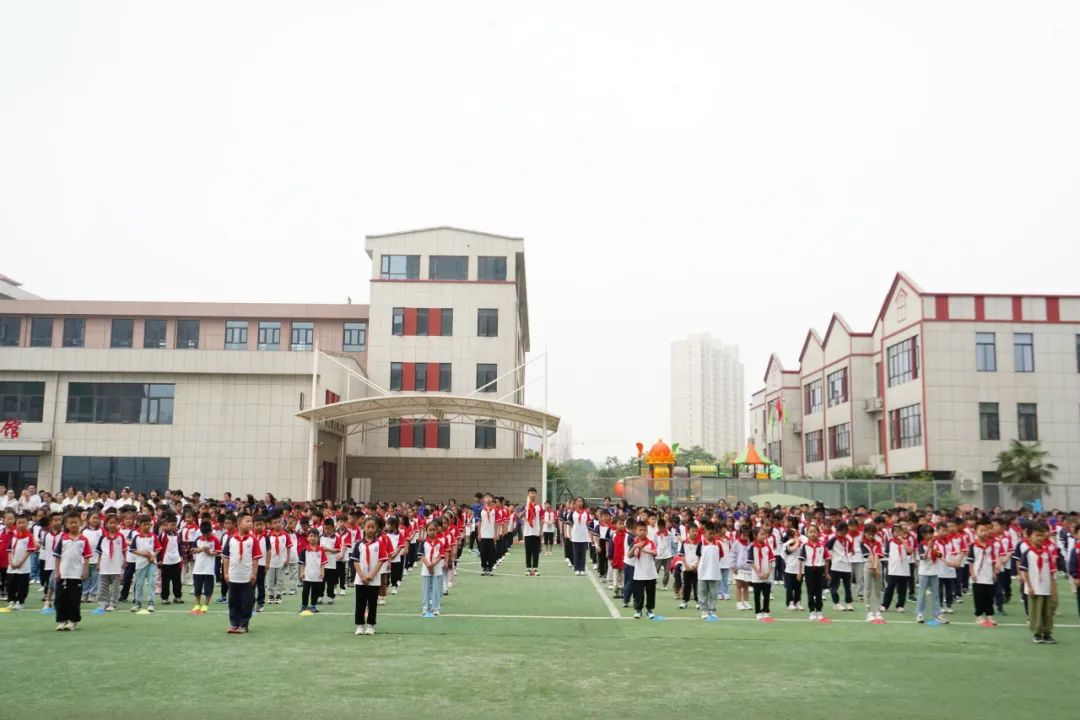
<point>796,427</point>
<point>873,404</point>
<point>967,483</point>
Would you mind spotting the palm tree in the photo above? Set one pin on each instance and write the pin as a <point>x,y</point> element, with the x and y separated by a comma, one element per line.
<point>1025,466</point>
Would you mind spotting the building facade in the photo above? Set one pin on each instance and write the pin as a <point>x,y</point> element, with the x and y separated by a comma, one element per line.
<point>204,396</point>
<point>707,392</point>
<point>942,383</point>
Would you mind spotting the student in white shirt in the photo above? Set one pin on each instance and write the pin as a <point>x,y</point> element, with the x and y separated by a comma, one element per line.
<point>240,564</point>
<point>72,554</point>
<point>644,552</point>
<point>531,517</point>
<point>431,572</point>
<point>691,553</point>
<point>841,547</point>
<point>898,565</point>
<point>665,550</point>
<point>930,554</point>
<point>49,537</point>
<point>312,565</point>
<point>580,521</point>
<point>144,548</point>
<point>205,550</point>
<point>1037,566</point>
<point>21,553</point>
<point>92,532</point>
<point>111,553</point>
<point>367,557</point>
<point>790,551</point>
<point>550,522</point>
<point>709,571</point>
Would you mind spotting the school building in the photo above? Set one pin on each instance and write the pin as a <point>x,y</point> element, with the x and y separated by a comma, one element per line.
<point>941,383</point>
<point>420,392</point>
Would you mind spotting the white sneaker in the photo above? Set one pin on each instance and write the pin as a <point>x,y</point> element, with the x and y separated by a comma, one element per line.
<point>359,630</point>
<point>791,606</point>
<point>919,619</point>
<point>758,616</point>
<point>766,616</point>
<point>849,607</point>
<point>370,630</point>
<point>869,617</point>
<point>813,616</point>
<point>837,607</point>
<point>799,606</point>
<point>393,591</point>
<point>704,616</point>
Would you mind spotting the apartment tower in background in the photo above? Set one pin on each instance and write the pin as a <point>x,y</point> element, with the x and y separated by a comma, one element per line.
<point>707,394</point>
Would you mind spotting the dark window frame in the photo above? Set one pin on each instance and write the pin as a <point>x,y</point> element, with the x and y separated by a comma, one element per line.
<point>446,322</point>
<point>185,338</point>
<point>989,421</point>
<point>902,360</point>
<point>397,322</point>
<point>840,441</point>
<point>448,268</point>
<point>491,268</point>
<point>114,342</point>
<point>10,330</point>
<point>299,331</point>
<point>74,333</point>
<point>107,403</point>
<point>411,270</point>
<point>446,377</point>
<point>269,337</point>
<point>349,335</point>
<point>487,322</point>
<point>398,369</point>
<point>812,397</point>
<point>1027,423</point>
<point>486,435</point>
<point>1024,352</point>
<point>905,427</point>
<point>22,400</point>
<point>36,338</point>
<point>837,383</point>
<point>985,352</point>
<point>151,341</point>
<point>236,334</point>
<point>815,451</point>
<point>487,373</point>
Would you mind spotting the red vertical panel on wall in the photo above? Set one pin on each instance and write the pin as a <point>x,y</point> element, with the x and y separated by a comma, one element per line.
<point>941,307</point>
<point>1018,310</point>
<point>410,321</point>
<point>406,433</point>
<point>1053,310</point>
<point>408,377</point>
<point>431,434</point>
<point>433,377</point>
<point>434,322</point>
<point>980,307</point>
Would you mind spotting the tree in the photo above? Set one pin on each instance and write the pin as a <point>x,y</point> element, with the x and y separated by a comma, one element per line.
<point>854,473</point>
<point>1026,467</point>
<point>615,468</point>
<point>576,468</point>
<point>728,458</point>
<point>696,455</point>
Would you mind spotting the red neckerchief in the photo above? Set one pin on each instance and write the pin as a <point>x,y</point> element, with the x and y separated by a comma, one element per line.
<point>277,537</point>
<point>241,539</point>
<point>583,517</point>
<point>814,547</point>
<point>987,549</point>
<point>759,550</point>
<point>901,546</point>
<point>431,551</point>
<point>847,543</point>
<point>530,512</point>
<point>1040,552</point>
<point>110,538</point>
<point>367,550</point>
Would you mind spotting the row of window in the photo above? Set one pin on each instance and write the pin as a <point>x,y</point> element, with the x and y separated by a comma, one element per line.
<point>1023,352</point>
<point>905,430</point>
<point>141,474</point>
<point>302,334</point>
<point>436,377</point>
<point>434,322</point>
<point>1027,421</point>
<point>125,403</point>
<point>839,443</point>
<point>442,267</point>
<point>837,385</point>
<point>432,434</point>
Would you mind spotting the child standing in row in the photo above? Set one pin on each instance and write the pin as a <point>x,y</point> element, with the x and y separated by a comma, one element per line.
<point>72,554</point>
<point>20,551</point>
<point>691,553</point>
<point>1037,565</point>
<point>985,562</point>
<point>431,572</point>
<point>367,557</point>
<point>930,556</point>
<point>111,550</point>
<point>791,551</point>
<point>872,578</point>
<point>644,553</point>
<point>762,559</point>
<point>312,564</point>
<point>708,571</point>
<point>813,564</point>
<point>204,552</point>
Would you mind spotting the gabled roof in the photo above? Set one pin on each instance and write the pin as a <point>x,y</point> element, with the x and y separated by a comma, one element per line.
<point>774,359</point>
<point>838,319</point>
<point>444,227</point>
<point>812,335</point>
<point>892,289</point>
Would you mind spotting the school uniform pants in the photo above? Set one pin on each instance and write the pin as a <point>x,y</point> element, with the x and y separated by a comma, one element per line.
<point>792,589</point>
<point>90,585</point>
<point>579,556</point>
<point>689,585</point>
<point>309,596</point>
<point>532,552</point>
<point>628,584</point>
<point>644,595</point>
<point>725,581</point>
<point>663,565</point>
<point>340,574</point>
<point>292,571</point>
<point>840,576</point>
<point>68,599</point>
<point>602,559</point>
<point>431,590</point>
<point>125,586</point>
<point>896,584</point>
<point>708,591</point>
<point>275,581</point>
<point>815,582</point>
<point>203,586</point>
<point>762,591</point>
<point>549,540</point>
<point>984,599</point>
<point>948,590</point>
<point>927,582</point>
<point>857,577</point>
<point>871,585</point>
<point>487,554</point>
<point>367,604</point>
<point>241,603</point>
<point>18,586</point>
<point>397,571</point>
<point>615,580</point>
<point>170,575</point>
<point>144,584</point>
<point>330,581</point>
<point>109,590</point>
<point>1041,614</point>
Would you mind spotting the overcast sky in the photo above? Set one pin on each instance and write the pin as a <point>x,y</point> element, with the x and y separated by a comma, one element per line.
<point>739,168</point>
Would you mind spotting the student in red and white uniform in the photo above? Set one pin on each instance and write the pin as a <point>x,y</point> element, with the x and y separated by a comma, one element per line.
<point>487,533</point>
<point>813,565</point>
<point>550,521</point>
<point>49,537</point>
<point>398,545</point>
<point>313,561</point>
<point>112,552</point>
<point>431,572</point>
<point>841,547</point>
<point>762,558</point>
<point>72,553</point>
<point>873,576</point>
<point>531,529</point>
<point>898,555</point>
<point>205,550</point>
<point>643,552</point>
<point>241,555</point>
<point>171,560</point>
<point>580,520</point>
<point>292,563</point>
<point>20,552</point>
<point>984,560</point>
<point>791,551</point>
<point>278,547</point>
<point>1038,556</point>
<point>367,557</point>
<point>332,543</point>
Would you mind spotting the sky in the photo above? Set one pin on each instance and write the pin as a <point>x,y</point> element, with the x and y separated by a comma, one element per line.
<point>743,169</point>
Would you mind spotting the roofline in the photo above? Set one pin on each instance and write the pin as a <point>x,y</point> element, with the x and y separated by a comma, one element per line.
<point>195,309</point>
<point>443,227</point>
<point>812,333</point>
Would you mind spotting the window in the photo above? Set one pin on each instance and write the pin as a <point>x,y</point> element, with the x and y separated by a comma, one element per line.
<point>354,338</point>
<point>812,397</point>
<point>838,387</point>
<point>1077,351</point>
<point>400,267</point>
<point>41,332</point>
<point>485,434</point>
<point>446,317</point>
<point>985,352</point>
<point>395,376</point>
<point>123,333</point>
<point>485,374</point>
<point>1024,352</point>
<point>487,322</point>
<point>187,334</point>
<point>813,446</point>
<point>443,436</point>
<point>397,324</point>
<point>74,332</point>
<point>491,268</point>
<point>236,334</point>
<point>906,426</point>
<point>902,360</point>
<point>444,377</point>
<point>22,401</point>
<point>840,441</point>
<point>776,452</point>
<point>421,377</point>
<point>9,331</point>
<point>422,321</point>
<point>154,334</point>
<point>141,474</point>
<point>1027,422</point>
<point>989,425</point>
<point>448,267</point>
<point>126,403</point>
<point>393,435</point>
<point>269,335</point>
<point>303,336</point>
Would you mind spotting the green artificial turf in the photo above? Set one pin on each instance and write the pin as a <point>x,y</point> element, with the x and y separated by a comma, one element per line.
<point>547,647</point>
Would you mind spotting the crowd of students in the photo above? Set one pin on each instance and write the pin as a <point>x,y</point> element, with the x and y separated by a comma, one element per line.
<point>250,554</point>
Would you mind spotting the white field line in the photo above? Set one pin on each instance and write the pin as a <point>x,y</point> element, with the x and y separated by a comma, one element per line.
<point>612,610</point>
